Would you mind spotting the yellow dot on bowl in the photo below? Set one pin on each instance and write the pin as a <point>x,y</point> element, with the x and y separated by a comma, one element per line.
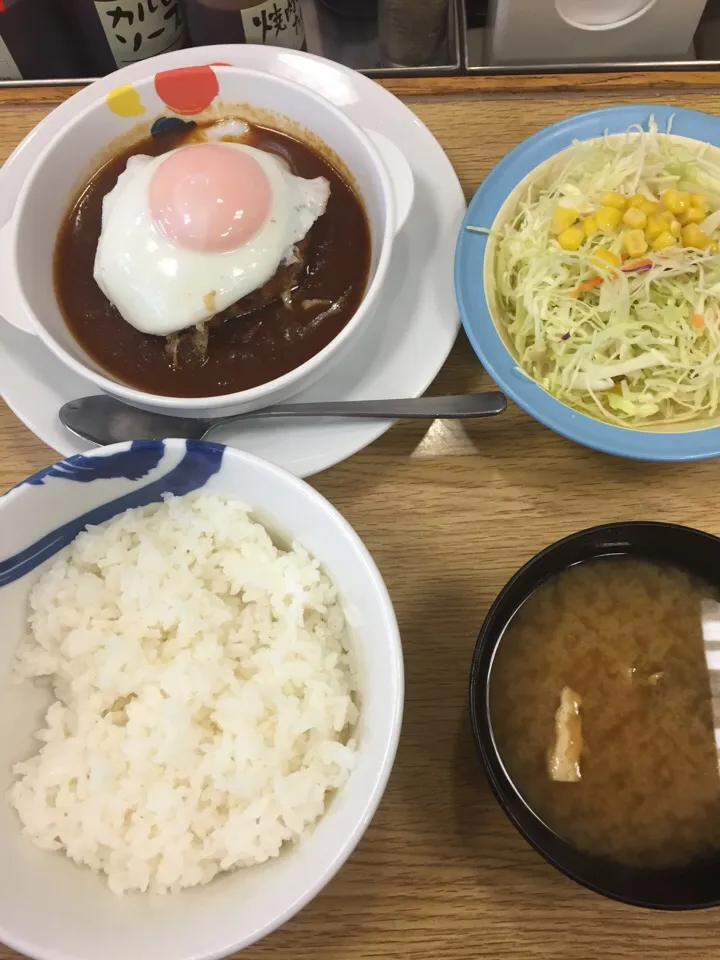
<point>125,101</point>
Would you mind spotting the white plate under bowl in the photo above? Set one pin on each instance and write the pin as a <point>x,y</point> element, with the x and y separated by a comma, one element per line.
<point>406,342</point>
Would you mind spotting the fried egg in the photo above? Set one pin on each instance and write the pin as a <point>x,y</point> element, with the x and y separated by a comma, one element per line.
<point>187,234</point>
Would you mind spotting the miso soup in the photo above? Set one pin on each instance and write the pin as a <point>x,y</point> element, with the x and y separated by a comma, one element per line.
<point>602,710</point>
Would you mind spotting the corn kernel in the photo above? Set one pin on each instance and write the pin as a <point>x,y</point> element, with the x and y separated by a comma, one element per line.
<point>675,228</point>
<point>571,238</point>
<point>590,226</point>
<point>604,258</point>
<point>693,236</point>
<point>655,226</point>
<point>608,219</point>
<point>635,243</point>
<point>712,247</point>
<point>640,202</point>
<point>634,218</point>
<point>693,215</point>
<point>676,201</point>
<point>615,200</point>
<point>662,242</point>
<point>650,207</point>
<point>699,200</point>
<point>562,218</point>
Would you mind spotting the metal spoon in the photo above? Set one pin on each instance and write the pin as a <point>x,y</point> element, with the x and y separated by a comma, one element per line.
<point>102,419</point>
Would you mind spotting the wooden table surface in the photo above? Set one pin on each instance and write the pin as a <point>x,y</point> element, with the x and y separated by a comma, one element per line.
<point>449,513</point>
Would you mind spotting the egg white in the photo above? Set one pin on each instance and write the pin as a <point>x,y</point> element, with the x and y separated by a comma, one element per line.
<point>161,288</point>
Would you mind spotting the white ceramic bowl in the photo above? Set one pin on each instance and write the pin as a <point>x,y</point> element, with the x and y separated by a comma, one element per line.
<point>52,909</point>
<point>27,297</point>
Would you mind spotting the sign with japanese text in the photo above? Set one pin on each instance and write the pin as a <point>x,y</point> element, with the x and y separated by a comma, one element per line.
<point>136,29</point>
<point>277,22</point>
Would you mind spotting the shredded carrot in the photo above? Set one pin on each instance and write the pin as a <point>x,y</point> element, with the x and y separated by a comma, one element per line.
<point>698,320</point>
<point>637,265</point>
<point>596,281</point>
<point>588,285</point>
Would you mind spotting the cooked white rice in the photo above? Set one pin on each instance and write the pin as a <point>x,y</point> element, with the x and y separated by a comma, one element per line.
<point>205,696</point>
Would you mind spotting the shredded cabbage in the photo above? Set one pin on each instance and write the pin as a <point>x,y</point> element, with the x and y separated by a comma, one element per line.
<point>626,350</point>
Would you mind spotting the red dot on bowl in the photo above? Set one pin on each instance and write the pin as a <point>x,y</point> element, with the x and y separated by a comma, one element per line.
<point>188,90</point>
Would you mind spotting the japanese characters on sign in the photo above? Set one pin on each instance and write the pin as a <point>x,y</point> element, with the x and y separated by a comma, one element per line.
<point>277,22</point>
<point>136,29</point>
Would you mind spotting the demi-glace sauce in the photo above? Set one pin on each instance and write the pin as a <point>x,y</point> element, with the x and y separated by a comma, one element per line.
<point>242,352</point>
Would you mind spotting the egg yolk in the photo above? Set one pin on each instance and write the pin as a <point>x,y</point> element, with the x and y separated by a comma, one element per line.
<point>209,197</point>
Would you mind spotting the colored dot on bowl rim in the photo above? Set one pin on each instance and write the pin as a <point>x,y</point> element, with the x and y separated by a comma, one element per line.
<point>165,125</point>
<point>187,90</point>
<point>125,101</point>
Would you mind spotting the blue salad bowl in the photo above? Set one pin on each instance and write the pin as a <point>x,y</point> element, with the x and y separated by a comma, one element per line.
<point>683,442</point>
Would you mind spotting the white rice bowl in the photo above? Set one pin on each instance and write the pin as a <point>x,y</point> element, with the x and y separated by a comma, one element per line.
<point>52,908</point>
<point>205,696</point>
